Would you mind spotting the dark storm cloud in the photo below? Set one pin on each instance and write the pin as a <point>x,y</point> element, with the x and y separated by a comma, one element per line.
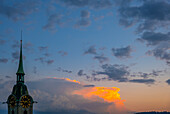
<point>101,58</point>
<point>153,38</point>
<point>91,50</point>
<point>96,4</point>
<point>84,19</point>
<point>115,72</point>
<point>145,81</point>
<point>122,52</point>
<point>63,70</point>
<point>168,81</point>
<point>150,15</point>
<point>19,10</point>
<point>3,60</point>
<point>62,53</point>
<point>53,21</point>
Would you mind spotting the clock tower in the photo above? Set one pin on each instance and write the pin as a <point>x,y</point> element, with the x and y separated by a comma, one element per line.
<point>20,102</point>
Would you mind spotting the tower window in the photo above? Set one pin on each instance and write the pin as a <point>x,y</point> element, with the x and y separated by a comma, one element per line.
<point>25,112</point>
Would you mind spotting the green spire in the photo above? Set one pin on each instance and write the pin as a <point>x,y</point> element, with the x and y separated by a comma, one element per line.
<point>20,68</point>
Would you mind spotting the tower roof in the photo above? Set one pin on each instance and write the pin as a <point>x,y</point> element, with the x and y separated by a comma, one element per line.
<point>20,68</point>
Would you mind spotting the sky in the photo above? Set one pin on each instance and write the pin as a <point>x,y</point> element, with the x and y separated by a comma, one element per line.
<point>111,48</point>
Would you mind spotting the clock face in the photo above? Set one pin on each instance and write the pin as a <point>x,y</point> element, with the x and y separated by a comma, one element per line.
<point>25,101</point>
<point>12,101</point>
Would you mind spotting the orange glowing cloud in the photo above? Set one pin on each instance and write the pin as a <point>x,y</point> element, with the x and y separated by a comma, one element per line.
<point>72,80</point>
<point>67,79</point>
<point>108,94</point>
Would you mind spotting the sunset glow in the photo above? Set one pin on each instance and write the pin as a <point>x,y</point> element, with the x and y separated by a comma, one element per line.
<point>108,94</point>
<point>67,79</point>
<point>72,80</point>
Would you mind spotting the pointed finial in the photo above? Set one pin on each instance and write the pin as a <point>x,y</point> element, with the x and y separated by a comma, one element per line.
<point>21,35</point>
<point>20,68</point>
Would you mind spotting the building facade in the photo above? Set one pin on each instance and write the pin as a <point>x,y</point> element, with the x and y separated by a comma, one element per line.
<point>19,101</point>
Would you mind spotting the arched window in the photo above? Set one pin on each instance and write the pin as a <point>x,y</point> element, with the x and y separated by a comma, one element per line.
<point>12,111</point>
<point>25,112</point>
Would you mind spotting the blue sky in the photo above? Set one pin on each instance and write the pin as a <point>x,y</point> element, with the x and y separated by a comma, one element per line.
<point>100,42</point>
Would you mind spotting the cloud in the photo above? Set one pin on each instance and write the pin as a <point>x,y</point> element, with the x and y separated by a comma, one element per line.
<point>46,54</point>
<point>3,60</point>
<point>84,19</point>
<point>91,50</point>
<point>8,77</point>
<point>148,18</point>
<point>95,4</point>
<point>89,86</point>
<point>19,10</point>
<point>80,73</point>
<point>43,48</point>
<point>147,75</point>
<point>53,21</point>
<point>85,14</point>
<point>153,38</point>
<point>122,52</point>
<point>27,45</point>
<point>43,60</point>
<point>168,81</point>
<point>63,53</point>
<point>115,72</point>
<point>160,42</point>
<point>149,15</point>
<point>145,81</point>
<point>2,42</point>
<point>101,58</point>
<point>67,96</point>
<point>15,56</point>
<point>16,44</point>
<point>78,3</point>
<point>49,62</point>
<point>63,70</point>
<point>34,69</point>
<point>161,52</point>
